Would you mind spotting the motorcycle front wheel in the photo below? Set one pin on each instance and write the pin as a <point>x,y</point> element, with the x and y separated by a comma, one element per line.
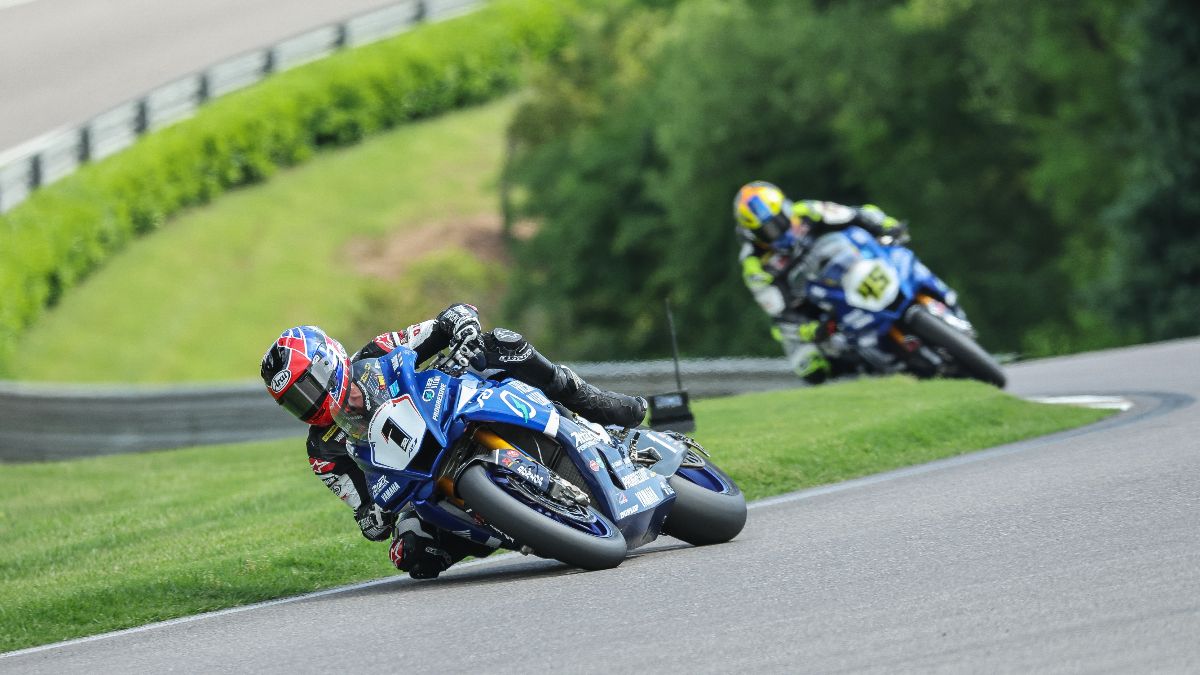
<point>584,539</point>
<point>970,356</point>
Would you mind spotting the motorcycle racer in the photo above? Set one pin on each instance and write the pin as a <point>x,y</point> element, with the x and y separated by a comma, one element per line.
<point>308,373</point>
<point>776,234</point>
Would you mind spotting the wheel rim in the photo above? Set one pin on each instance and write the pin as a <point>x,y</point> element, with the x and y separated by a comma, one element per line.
<point>698,471</point>
<point>577,517</point>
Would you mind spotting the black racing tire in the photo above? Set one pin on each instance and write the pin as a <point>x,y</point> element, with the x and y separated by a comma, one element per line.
<point>547,537</point>
<point>969,355</point>
<point>701,516</point>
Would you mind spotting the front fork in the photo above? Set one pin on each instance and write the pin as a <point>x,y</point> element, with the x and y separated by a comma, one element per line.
<point>518,466</point>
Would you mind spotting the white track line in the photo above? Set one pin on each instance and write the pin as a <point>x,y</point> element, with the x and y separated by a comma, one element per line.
<point>1104,402</point>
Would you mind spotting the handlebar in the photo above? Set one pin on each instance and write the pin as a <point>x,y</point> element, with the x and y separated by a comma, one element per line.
<point>457,358</point>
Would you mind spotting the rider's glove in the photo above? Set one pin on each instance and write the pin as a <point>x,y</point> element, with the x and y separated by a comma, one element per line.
<point>459,322</point>
<point>896,233</point>
<point>375,523</point>
<point>887,229</point>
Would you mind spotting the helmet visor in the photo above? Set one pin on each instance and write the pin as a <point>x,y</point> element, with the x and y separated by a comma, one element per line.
<point>771,225</point>
<point>305,398</point>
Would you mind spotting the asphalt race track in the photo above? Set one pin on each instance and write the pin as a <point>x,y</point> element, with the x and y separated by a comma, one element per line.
<point>64,61</point>
<point>1076,552</point>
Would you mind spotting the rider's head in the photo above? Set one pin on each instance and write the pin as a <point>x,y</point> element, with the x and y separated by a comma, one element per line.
<point>308,373</point>
<point>764,215</point>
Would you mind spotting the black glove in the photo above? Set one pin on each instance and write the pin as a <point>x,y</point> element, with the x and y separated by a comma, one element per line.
<point>375,523</point>
<point>895,235</point>
<point>459,322</point>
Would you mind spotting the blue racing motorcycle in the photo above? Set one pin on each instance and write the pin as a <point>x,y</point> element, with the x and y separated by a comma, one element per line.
<point>499,464</point>
<point>892,313</point>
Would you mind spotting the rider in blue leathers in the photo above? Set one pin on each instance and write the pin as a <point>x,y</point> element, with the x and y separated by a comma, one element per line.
<point>307,372</point>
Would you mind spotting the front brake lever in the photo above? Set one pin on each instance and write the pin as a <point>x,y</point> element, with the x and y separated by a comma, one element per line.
<point>458,357</point>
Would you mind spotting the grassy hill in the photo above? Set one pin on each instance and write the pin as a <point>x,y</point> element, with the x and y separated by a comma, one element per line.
<point>202,298</point>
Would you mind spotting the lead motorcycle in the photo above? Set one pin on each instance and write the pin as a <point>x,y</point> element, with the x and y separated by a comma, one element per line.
<point>892,313</point>
<point>498,463</point>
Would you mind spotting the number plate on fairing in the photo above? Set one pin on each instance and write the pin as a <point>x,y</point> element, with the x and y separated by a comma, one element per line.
<point>396,432</point>
<point>871,285</point>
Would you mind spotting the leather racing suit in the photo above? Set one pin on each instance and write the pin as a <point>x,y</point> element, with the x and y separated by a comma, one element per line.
<point>808,336</point>
<point>417,547</point>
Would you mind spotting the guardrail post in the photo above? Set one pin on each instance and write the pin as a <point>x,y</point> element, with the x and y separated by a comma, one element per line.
<point>422,12</point>
<point>142,121</point>
<point>269,61</point>
<point>202,90</point>
<point>35,171</point>
<point>85,143</point>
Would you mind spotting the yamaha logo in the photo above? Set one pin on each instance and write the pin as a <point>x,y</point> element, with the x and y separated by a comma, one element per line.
<point>280,380</point>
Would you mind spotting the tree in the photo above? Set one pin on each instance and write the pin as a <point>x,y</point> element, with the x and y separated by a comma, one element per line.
<point>1156,293</point>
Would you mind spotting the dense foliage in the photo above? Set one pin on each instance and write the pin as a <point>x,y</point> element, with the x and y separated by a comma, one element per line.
<point>1156,284</point>
<point>66,230</point>
<point>999,129</point>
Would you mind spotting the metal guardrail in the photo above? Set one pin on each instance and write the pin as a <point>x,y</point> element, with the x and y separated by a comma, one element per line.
<point>41,422</point>
<point>52,156</point>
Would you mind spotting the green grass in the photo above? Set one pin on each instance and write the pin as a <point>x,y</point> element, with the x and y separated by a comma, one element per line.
<point>202,298</point>
<point>100,544</point>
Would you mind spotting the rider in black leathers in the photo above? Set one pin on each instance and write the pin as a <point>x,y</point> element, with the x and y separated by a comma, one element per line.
<point>417,547</point>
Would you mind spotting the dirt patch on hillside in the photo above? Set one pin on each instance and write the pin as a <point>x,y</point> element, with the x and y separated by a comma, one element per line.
<point>390,256</point>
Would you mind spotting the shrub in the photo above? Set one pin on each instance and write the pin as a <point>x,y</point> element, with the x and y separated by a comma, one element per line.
<point>66,230</point>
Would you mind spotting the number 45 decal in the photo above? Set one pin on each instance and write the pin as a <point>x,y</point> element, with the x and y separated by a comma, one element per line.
<point>875,284</point>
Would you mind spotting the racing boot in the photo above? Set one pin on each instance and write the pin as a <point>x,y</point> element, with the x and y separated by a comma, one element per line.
<point>425,551</point>
<point>511,352</point>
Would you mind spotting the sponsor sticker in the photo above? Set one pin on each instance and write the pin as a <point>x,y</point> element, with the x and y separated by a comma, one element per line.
<point>518,405</point>
<point>378,485</point>
<point>629,511</point>
<point>431,386</point>
<point>584,439</point>
<point>437,404</point>
<point>636,478</point>
<point>531,475</point>
<point>280,381</point>
<point>594,465</point>
<point>392,489</point>
<point>320,465</point>
<point>647,496</point>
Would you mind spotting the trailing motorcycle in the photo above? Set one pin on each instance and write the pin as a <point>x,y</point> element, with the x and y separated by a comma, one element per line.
<point>892,313</point>
<point>498,463</point>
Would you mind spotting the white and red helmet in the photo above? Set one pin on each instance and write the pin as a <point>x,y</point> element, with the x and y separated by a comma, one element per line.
<point>308,373</point>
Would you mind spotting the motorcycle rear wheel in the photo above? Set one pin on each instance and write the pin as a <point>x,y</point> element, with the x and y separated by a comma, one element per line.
<point>702,516</point>
<point>546,536</point>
